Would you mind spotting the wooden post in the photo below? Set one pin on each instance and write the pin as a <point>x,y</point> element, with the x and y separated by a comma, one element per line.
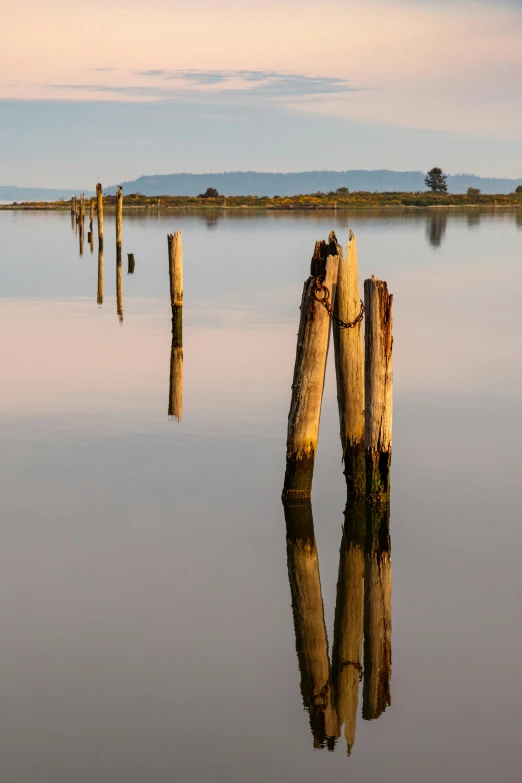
<point>91,212</point>
<point>349,616</point>
<point>175,269</point>
<point>119,216</point>
<point>176,366</point>
<point>99,207</point>
<point>119,287</point>
<point>349,366</point>
<point>309,372</point>
<point>377,612</point>
<point>130,263</point>
<point>378,389</point>
<point>90,240</point>
<point>310,632</point>
<point>73,205</point>
<point>99,297</point>
<point>81,223</point>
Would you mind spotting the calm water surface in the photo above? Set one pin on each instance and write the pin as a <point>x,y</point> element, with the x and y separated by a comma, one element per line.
<point>146,606</point>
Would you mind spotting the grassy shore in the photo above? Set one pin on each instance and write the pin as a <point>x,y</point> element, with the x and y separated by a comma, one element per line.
<point>313,201</point>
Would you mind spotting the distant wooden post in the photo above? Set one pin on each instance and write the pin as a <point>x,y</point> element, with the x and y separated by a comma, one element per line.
<point>175,269</point>
<point>119,216</point>
<point>130,263</point>
<point>99,208</point>
<point>349,366</point>
<point>349,617</point>
<point>99,297</point>
<point>378,388</point>
<point>310,632</point>
<point>309,371</point>
<point>377,613</point>
<point>81,223</point>
<point>176,366</point>
<point>91,211</point>
<point>73,205</point>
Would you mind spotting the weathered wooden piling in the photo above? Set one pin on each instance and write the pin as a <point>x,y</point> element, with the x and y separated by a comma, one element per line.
<point>81,223</point>
<point>99,210</point>
<point>309,371</point>
<point>377,613</point>
<point>91,212</point>
<point>175,269</point>
<point>310,631</point>
<point>119,216</point>
<point>378,389</point>
<point>130,263</point>
<point>176,366</point>
<point>99,297</point>
<point>119,284</point>
<point>349,619</point>
<point>73,205</point>
<point>349,366</point>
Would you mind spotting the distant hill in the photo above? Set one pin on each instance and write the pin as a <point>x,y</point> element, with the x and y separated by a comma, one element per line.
<point>254,183</point>
<point>13,193</point>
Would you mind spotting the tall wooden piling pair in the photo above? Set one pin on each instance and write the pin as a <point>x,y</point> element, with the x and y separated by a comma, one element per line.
<point>364,376</point>
<point>175,253</point>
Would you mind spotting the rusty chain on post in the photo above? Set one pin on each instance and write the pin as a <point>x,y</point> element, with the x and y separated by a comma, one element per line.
<point>317,286</point>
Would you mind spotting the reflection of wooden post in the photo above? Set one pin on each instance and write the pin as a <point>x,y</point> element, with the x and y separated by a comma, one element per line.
<point>310,631</point>
<point>309,372</point>
<point>377,613</point>
<point>349,365</point>
<point>176,366</point>
<point>99,208</point>
<point>119,216</point>
<point>175,269</point>
<point>119,288</point>
<point>349,614</point>
<point>99,297</point>
<point>378,388</point>
<point>130,263</point>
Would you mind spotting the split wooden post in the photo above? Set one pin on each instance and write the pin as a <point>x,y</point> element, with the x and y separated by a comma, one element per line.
<point>130,263</point>
<point>349,366</point>
<point>175,269</point>
<point>377,612</point>
<point>378,389</point>
<point>311,640</point>
<point>99,208</point>
<point>349,619</point>
<point>309,371</point>
<point>99,297</point>
<point>119,216</point>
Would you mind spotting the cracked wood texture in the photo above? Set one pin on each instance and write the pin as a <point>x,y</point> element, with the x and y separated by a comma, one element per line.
<point>175,269</point>
<point>378,388</point>
<point>119,216</point>
<point>309,373</point>
<point>349,367</point>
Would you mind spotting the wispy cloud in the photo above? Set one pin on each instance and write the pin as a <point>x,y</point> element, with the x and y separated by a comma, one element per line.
<point>212,84</point>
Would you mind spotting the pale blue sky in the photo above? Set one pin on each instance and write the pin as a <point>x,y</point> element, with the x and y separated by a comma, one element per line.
<point>287,85</point>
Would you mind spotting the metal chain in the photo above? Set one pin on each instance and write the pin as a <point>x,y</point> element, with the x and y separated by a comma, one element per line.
<point>317,286</point>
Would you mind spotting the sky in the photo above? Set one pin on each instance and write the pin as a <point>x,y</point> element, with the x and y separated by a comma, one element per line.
<point>113,89</point>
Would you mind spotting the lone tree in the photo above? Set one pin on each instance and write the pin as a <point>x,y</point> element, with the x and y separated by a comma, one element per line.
<point>435,180</point>
<point>518,189</point>
<point>209,193</point>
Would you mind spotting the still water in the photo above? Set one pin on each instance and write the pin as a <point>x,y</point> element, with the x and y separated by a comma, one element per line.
<point>148,632</point>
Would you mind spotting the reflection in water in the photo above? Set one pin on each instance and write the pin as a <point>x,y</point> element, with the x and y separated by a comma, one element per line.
<point>349,615</point>
<point>363,606</point>
<point>99,297</point>
<point>176,365</point>
<point>473,218</point>
<point>377,613</point>
<point>310,630</point>
<point>119,289</point>
<point>436,227</point>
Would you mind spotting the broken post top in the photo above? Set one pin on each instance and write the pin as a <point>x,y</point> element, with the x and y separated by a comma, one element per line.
<point>321,252</point>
